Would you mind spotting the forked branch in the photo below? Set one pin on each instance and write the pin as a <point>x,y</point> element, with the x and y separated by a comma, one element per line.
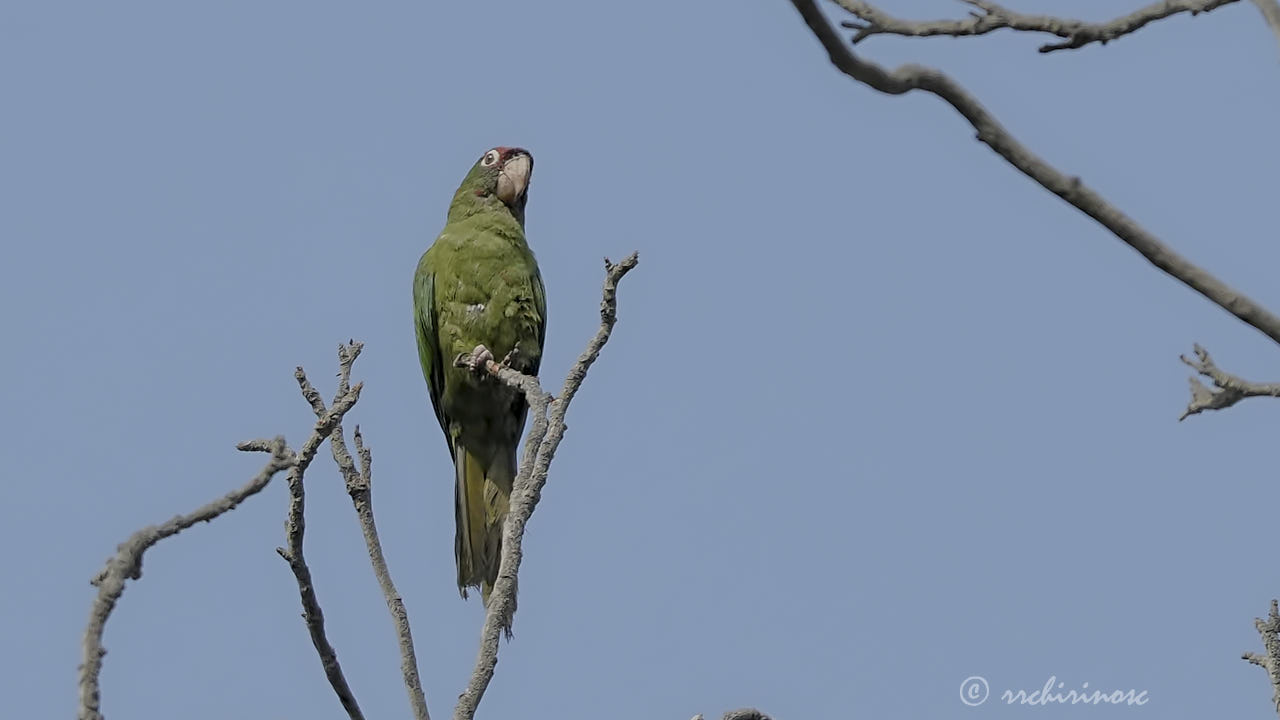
<point>126,564</point>
<point>989,16</point>
<point>295,528</point>
<point>358,483</point>
<point>540,446</point>
<point>1072,189</point>
<point>1228,389</point>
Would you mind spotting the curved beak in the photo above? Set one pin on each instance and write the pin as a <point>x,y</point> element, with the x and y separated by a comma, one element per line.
<point>513,178</point>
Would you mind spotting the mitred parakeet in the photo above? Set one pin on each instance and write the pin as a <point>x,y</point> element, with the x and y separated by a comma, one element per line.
<point>478,290</point>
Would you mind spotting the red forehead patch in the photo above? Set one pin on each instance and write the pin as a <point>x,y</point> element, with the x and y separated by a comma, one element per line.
<point>505,152</point>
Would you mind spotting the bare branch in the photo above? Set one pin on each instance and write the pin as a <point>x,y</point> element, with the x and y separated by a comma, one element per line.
<point>745,714</point>
<point>1270,10</point>
<point>359,487</point>
<point>1231,389</point>
<point>126,564</point>
<point>1269,629</point>
<point>990,16</point>
<point>327,422</point>
<point>540,446</point>
<point>1071,189</point>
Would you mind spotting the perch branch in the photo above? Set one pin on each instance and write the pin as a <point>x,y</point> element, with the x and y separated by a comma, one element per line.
<point>1231,389</point>
<point>126,564</point>
<point>1071,189</point>
<point>1269,629</point>
<point>327,422</point>
<point>359,487</point>
<point>539,449</point>
<point>989,17</point>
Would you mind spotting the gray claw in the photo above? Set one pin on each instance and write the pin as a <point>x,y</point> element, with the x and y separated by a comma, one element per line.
<point>479,358</point>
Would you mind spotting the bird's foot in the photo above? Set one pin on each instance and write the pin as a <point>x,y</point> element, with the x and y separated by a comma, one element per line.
<point>480,357</point>
<point>511,356</point>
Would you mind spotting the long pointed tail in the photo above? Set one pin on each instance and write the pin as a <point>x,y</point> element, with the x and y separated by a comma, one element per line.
<point>481,500</point>
<point>469,517</point>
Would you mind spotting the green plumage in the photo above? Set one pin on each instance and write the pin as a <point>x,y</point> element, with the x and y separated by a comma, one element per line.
<point>479,284</point>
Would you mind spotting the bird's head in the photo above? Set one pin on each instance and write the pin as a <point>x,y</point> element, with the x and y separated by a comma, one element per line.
<point>501,174</point>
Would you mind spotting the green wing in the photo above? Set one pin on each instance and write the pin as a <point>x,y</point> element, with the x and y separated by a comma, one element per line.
<point>424,309</point>
<point>540,305</point>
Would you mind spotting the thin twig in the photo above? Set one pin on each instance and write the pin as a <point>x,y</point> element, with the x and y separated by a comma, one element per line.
<point>126,564</point>
<point>1231,389</point>
<point>327,422</point>
<point>1269,629</point>
<point>359,487</point>
<point>1071,189</point>
<point>990,16</point>
<point>540,447</point>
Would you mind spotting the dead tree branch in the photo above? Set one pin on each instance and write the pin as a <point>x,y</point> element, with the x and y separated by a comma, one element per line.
<point>1231,389</point>
<point>327,421</point>
<point>1269,629</point>
<point>989,17</point>
<point>540,447</point>
<point>359,487</point>
<point>126,564</point>
<point>1071,189</point>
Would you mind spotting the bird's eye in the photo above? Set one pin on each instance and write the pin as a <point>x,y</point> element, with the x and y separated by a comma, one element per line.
<point>490,158</point>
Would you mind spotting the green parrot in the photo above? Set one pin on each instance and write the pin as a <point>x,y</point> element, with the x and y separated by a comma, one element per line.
<point>478,290</point>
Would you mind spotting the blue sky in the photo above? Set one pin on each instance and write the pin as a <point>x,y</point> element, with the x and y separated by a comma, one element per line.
<point>879,414</point>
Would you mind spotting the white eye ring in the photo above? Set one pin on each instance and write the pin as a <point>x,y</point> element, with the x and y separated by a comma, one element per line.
<point>490,158</point>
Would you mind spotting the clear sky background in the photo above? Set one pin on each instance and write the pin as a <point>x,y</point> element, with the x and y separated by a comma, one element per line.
<point>879,413</point>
